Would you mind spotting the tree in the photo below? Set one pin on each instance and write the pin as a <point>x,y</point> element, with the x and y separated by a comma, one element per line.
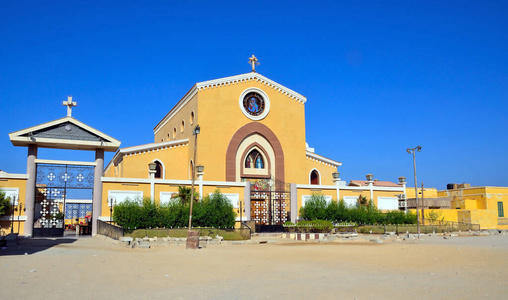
<point>362,201</point>
<point>184,195</point>
<point>5,203</point>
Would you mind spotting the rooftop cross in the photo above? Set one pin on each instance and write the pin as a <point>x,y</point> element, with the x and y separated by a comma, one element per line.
<point>254,62</point>
<point>69,103</point>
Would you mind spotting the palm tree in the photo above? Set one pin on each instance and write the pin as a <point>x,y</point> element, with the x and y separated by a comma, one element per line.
<point>362,201</point>
<point>184,194</point>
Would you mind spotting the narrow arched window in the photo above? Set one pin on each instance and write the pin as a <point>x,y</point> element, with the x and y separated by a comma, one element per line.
<point>314,177</point>
<point>254,160</point>
<point>158,169</point>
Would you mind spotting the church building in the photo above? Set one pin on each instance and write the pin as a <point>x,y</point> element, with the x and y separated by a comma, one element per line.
<point>246,136</point>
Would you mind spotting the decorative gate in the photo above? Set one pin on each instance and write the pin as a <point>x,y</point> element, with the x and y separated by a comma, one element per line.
<point>54,185</point>
<point>270,203</point>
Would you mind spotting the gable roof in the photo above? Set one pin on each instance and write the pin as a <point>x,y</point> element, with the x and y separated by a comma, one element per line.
<point>323,159</point>
<point>374,183</point>
<point>210,84</point>
<point>64,133</point>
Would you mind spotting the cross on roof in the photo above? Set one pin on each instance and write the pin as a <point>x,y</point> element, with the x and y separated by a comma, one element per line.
<point>254,62</point>
<point>69,103</point>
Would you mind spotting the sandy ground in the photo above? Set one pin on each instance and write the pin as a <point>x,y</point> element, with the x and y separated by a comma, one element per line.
<point>99,268</point>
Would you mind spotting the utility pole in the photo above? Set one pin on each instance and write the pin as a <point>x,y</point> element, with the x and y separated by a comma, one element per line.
<point>413,151</point>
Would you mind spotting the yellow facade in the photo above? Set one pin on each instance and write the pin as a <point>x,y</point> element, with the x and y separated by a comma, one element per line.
<point>228,134</point>
<point>17,184</point>
<point>478,205</point>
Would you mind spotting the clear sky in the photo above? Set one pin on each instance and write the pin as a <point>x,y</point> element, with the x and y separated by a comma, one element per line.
<point>379,76</point>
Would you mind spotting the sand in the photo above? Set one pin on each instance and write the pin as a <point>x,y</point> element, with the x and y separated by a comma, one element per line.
<point>100,268</point>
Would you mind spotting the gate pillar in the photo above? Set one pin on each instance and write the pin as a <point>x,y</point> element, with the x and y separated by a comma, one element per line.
<point>97,189</point>
<point>30,190</point>
<point>293,203</point>
<point>246,200</point>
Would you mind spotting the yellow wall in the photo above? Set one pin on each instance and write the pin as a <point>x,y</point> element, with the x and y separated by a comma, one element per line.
<point>18,225</point>
<point>165,134</point>
<point>223,117</point>
<point>174,159</point>
<point>427,192</point>
<point>480,204</point>
<point>325,171</point>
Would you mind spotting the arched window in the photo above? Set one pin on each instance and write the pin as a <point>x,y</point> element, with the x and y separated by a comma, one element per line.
<point>254,160</point>
<point>314,177</point>
<point>158,169</point>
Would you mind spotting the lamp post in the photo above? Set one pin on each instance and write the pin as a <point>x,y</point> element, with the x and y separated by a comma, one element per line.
<point>13,208</point>
<point>336,180</point>
<point>193,237</point>
<point>199,170</point>
<point>152,169</point>
<point>370,181</point>
<point>195,133</point>
<point>111,200</point>
<point>413,151</point>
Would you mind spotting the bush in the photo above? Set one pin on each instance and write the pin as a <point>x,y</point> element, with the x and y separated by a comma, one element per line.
<point>5,203</point>
<point>367,213</point>
<point>213,211</point>
<point>314,226</point>
<point>128,214</point>
<point>174,215</point>
<point>314,208</point>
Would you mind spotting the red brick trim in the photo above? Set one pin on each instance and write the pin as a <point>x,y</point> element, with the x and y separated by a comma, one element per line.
<point>244,132</point>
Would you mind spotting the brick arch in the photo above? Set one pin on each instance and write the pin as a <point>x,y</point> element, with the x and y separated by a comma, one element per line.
<point>237,139</point>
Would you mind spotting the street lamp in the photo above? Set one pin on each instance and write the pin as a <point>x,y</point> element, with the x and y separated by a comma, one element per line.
<point>413,151</point>
<point>13,208</point>
<point>112,200</point>
<point>369,177</point>
<point>190,235</point>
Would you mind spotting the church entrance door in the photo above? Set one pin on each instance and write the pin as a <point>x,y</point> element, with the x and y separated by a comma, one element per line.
<point>270,204</point>
<point>63,199</point>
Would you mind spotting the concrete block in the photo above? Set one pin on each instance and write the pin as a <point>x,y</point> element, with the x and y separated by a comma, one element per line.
<point>144,244</point>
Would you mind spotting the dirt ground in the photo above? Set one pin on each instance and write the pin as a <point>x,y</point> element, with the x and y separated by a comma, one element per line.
<point>100,268</point>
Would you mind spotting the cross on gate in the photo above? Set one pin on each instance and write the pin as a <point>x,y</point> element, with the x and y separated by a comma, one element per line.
<point>69,103</point>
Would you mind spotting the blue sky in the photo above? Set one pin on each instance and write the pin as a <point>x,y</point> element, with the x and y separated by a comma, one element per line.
<point>379,76</point>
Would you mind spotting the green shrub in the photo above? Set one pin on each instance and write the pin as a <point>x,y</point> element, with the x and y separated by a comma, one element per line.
<point>5,203</point>
<point>366,213</point>
<point>173,215</point>
<point>314,226</point>
<point>214,211</point>
<point>314,208</point>
<point>128,214</point>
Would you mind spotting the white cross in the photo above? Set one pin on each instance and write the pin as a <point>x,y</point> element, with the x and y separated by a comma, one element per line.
<point>65,177</point>
<point>51,176</point>
<point>254,62</point>
<point>80,177</point>
<point>69,103</point>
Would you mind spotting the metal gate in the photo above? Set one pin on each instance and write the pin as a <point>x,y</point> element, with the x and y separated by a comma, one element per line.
<point>270,204</point>
<point>55,184</point>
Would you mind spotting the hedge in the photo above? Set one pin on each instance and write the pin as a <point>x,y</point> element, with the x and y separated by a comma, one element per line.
<point>213,211</point>
<point>317,208</point>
